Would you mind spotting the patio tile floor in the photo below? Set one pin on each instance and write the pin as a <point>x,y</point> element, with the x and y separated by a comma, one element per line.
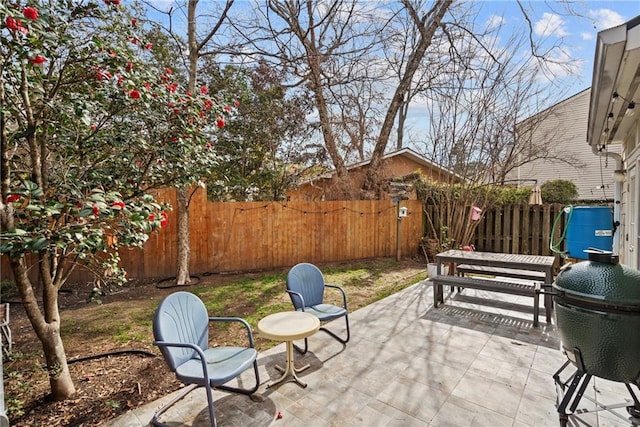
<point>476,361</point>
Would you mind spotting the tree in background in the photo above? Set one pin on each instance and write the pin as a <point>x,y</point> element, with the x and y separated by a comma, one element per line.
<point>186,50</point>
<point>366,62</point>
<point>262,150</point>
<point>559,191</point>
<point>475,110</point>
<point>87,125</point>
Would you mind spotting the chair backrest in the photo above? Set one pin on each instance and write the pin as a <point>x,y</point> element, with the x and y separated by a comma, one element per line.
<point>181,318</point>
<point>307,280</point>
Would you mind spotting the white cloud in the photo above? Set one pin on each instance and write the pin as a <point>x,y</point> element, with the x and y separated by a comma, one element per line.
<point>550,24</point>
<point>605,18</point>
<point>586,36</point>
<point>560,64</point>
<point>494,22</point>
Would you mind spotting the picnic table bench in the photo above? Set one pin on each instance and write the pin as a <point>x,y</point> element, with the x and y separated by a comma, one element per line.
<point>538,268</point>
<point>463,269</point>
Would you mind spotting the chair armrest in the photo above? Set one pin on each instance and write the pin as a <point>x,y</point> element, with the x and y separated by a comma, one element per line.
<point>293,295</point>
<point>239,320</point>
<point>344,294</point>
<point>196,348</point>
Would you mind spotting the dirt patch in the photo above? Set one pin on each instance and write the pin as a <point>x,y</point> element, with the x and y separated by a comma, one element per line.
<point>114,365</point>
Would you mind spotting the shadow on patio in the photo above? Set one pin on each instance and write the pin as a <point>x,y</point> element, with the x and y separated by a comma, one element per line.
<point>471,362</point>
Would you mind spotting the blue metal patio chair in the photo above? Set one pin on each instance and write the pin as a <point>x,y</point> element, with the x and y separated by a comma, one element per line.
<point>306,285</point>
<point>181,331</point>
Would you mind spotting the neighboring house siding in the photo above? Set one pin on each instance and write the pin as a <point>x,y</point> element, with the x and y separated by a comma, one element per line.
<point>565,125</point>
<point>397,164</point>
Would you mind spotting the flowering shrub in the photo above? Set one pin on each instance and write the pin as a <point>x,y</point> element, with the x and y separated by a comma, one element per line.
<point>119,127</point>
<point>90,124</point>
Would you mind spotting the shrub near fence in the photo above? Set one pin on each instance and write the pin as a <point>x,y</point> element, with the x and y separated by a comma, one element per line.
<point>250,236</point>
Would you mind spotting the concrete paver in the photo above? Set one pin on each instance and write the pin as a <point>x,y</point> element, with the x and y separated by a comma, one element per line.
<point>475,361</point>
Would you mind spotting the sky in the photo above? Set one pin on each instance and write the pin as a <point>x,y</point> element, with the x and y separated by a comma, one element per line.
<point>578,34</point>
<point>551,23</point>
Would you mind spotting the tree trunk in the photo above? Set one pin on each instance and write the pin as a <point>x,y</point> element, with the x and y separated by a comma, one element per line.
<point>427,29</point>
<point>47,327</point>
<point>402,117</point>
<point>183,276</point>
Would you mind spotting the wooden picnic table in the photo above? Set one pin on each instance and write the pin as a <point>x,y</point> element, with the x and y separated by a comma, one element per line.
<point>497,261</point>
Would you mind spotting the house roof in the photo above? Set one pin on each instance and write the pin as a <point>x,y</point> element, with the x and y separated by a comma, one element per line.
<point>405,152</point>
<point>615,85</point>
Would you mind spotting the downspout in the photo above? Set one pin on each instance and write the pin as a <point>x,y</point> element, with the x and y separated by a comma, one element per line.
<point>617,194</point>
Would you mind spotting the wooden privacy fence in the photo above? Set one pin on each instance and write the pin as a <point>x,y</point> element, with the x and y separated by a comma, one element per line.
<point>250,236</point>
<point>520,229</point>
<point>515,229</point>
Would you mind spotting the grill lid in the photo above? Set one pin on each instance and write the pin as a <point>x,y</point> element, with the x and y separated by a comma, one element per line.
<point>601,281</point>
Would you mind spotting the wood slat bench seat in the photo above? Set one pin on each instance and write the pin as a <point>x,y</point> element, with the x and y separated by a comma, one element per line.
<point>462,269</point>
<point>523,289</point>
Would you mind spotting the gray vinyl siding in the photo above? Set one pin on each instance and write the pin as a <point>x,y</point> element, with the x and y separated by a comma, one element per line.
<point>566,126</point>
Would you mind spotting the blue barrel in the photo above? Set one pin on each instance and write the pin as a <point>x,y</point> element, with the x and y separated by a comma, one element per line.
<point>588,227</point>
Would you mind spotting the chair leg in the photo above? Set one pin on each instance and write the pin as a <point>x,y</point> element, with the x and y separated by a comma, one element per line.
<point>163,408</point>
<point>339,339</point>
<point>245,391</point>
<point>212,414</point>
<point>306,347</point>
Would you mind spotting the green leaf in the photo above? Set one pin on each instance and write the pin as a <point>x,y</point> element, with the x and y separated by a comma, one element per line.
<point>39,244</point>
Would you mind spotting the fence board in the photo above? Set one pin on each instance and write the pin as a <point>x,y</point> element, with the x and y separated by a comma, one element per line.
<point>247,236</point>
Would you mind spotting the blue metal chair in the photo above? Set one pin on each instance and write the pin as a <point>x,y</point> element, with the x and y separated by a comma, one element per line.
<point>181,331</point>
<point>305,286</point>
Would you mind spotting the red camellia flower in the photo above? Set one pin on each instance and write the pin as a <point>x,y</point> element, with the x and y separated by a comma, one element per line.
<point>14,25</point>
<point>134,94</point>
<point>30,13</point>
<point>220,122</point>
<point>227,108</point>
<point>113,2</point>
<point>11,23</point>
<point>165,219</point>
<point>38,59</point>
<point>237,104</point>
<point>152,217</point>
<point>118,204</point>
<point>148,45</point>
<point>13,198</point>
<point>204,90</point>
<point>95,210</point>
<point>134,21</point>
